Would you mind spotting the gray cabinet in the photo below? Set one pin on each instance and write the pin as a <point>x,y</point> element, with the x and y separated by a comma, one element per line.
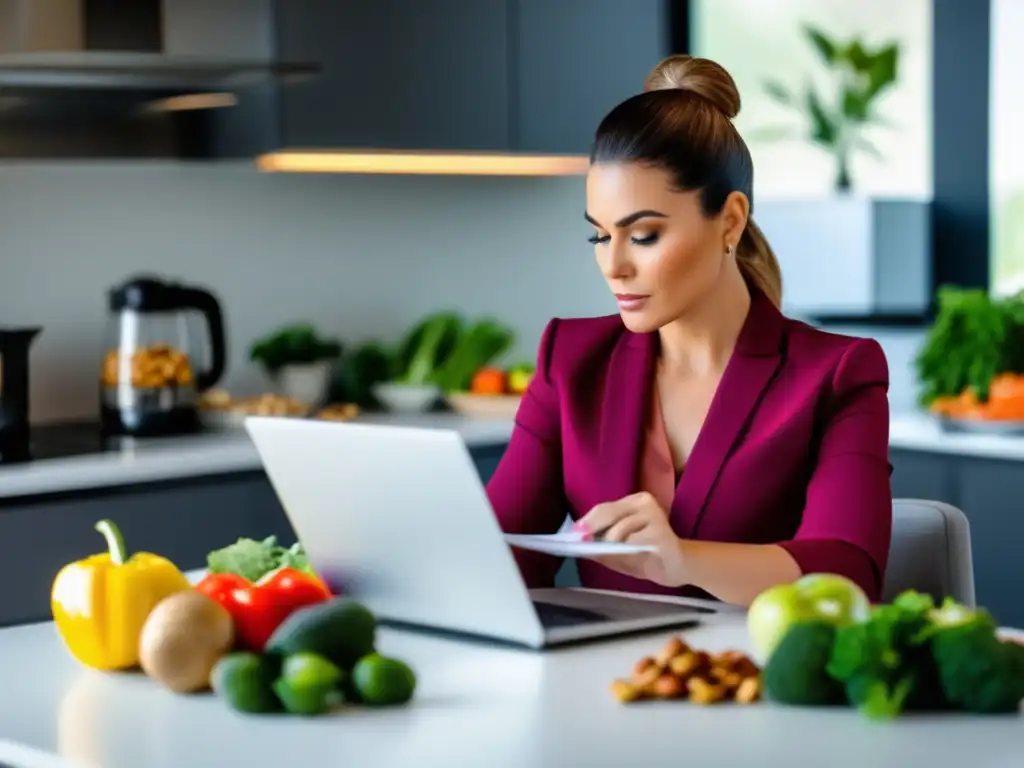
<point>576,59</point>
<point>504,75</point>
<point>989,492</point>
<point>992,496</point>
<point>432,74</point>
<point>920,475</point>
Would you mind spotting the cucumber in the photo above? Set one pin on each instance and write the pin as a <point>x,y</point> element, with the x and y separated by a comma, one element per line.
<point>341,630</point>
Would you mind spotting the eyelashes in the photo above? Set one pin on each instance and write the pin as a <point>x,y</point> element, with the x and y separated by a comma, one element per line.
<point>646,240</point>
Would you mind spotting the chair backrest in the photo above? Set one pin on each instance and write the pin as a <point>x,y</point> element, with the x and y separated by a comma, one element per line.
<point>930,551</point>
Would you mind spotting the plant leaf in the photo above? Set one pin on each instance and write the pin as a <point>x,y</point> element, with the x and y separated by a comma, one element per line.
<point>779,92</point>
<point>855,104</point>
<point>857,57</point>
<point>823,127</point>
<point>825,47</point>
<point>882,69</point>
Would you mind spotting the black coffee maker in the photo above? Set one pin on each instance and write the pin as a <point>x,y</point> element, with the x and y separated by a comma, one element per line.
<point>15,433</point>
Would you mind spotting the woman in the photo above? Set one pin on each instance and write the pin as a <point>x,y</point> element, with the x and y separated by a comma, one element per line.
<point>748,448</point>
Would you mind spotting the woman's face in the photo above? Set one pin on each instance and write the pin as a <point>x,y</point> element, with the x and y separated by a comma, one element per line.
<point>658,251</point>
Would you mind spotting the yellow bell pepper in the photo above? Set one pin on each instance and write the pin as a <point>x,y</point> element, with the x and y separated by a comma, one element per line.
<point>99,604</point>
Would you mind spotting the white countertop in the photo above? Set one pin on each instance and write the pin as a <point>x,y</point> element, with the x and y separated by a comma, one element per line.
<point>920,432</point>
<point>170,458</point>
<point>141,461</point>
<point>476,705</point>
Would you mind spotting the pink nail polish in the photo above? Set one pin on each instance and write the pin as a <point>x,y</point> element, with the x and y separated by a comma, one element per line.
<point>580,527</point>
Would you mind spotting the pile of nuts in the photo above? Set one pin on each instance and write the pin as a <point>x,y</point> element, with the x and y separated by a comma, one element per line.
<point>681,672</point>
<point>338,412</point>
<point>153,367</point>
<point>267,404</point>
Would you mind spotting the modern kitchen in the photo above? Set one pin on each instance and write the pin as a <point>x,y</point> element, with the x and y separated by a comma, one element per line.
<point>194,237</point>
<point>367,213</point>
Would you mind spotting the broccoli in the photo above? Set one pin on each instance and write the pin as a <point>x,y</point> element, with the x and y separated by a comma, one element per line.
<point>883,663</point>
<point>978,672</point>
<point>796,672</point>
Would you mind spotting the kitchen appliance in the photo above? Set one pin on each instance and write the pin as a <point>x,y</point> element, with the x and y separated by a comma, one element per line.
<point>15,433</point>
<point>150,378</point>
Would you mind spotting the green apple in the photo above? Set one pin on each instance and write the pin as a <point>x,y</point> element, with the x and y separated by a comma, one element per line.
<point>815,597</point>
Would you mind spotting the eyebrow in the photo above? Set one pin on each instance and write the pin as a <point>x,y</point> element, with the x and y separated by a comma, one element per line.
<point>634,217</point>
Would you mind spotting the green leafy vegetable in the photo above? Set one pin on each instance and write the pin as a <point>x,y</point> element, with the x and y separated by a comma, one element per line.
<point>882,662</point>
<point>974,338</point>
<point>253,559</point>
<point>444,350</point>
<point>483,343</point>
<point>297,344</point>
<point>911,656</point>
<point>978,672</point>
<point>369,364</point>
<point>426,348</point>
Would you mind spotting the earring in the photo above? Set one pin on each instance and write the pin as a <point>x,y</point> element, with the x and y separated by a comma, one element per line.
<point>728,249</point>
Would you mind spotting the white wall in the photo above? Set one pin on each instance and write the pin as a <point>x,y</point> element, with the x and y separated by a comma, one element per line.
<point>360,256</point>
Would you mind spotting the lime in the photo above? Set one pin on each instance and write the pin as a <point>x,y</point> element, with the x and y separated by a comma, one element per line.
<point>381,680</point>
<point>244,681</point>
<point>309,684</point>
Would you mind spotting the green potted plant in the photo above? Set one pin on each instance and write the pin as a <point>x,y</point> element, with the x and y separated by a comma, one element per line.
<point>836,117</point>
<point>298,360</point>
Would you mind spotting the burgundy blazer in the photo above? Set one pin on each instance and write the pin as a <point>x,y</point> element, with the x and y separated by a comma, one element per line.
<point>794,451</point>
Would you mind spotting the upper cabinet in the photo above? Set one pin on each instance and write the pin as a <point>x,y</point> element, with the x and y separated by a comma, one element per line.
<point>576,59</point>
<point>397,74</point>
<point>505,75</point>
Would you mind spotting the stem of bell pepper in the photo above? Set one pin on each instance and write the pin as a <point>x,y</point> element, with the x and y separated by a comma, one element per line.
<point>115,541</point>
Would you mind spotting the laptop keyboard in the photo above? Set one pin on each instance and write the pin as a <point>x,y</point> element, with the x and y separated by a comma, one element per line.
<point>552,615</point>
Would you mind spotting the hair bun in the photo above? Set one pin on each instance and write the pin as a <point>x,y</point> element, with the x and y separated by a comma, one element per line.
<point>701,76</point>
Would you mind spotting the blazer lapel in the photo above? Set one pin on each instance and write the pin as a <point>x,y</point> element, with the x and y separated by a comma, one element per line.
<point>624,410</point>
<point>754,363</point>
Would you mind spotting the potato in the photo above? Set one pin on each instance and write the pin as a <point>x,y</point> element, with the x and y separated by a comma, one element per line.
<point>183,638</point>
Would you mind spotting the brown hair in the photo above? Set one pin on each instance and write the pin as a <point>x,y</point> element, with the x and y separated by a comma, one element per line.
<point>682,122</point>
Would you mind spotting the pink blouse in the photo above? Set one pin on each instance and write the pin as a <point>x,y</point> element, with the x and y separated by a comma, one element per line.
<point>657,467</point>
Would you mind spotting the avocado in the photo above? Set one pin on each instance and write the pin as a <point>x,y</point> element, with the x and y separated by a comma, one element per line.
<point>341,630</point>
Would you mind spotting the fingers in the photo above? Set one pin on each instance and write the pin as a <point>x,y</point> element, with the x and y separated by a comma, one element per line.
<point>628,526</point>
<point>604,516</point>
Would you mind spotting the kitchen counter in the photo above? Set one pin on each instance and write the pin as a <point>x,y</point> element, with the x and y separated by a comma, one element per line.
<point>476,705</point>
<point>920,432</point>
<point>142,461</point>
<point>162,459</point>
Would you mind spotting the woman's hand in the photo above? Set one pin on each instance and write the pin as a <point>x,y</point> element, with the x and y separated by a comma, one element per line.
<point>638,519</point>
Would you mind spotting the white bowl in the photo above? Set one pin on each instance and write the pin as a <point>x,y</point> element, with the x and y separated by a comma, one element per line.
<point>484,406</point>
<point>406,398</point>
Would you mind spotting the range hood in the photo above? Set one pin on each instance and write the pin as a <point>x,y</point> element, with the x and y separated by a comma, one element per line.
<point>160,45</point>
<point>107,79</point>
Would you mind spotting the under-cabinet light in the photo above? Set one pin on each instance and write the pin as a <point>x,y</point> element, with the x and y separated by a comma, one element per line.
<point>431,163</point>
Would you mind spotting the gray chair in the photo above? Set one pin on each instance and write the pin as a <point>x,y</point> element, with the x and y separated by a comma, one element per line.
<point>930,551</point>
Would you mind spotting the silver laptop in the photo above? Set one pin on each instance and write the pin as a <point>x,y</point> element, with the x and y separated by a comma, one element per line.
<point>399,519</point>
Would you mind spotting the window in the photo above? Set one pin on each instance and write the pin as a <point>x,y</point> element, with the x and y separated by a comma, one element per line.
<point>1006,150</point>
<point>755,39</point>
